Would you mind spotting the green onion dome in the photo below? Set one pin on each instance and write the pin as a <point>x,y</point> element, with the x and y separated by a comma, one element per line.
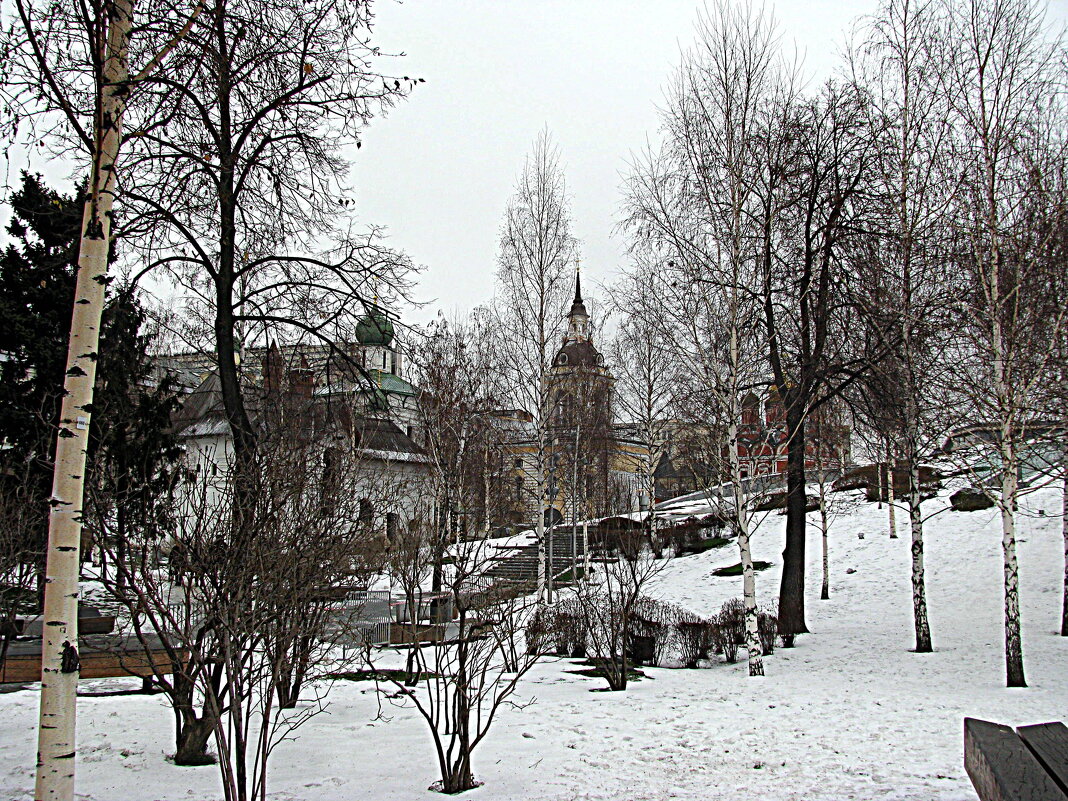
<point>375,328</point>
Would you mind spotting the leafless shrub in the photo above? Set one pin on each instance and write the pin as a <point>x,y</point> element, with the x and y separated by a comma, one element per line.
<point>768,626</point>
<point>698,639</point>
<point>472,673</point>
<point>610,606</point>
<point>731,623</point>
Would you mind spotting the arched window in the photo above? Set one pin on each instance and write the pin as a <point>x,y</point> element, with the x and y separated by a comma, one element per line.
<point>367,512</point>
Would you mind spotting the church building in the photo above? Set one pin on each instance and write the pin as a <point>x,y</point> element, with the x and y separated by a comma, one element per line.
<point>592,472</point>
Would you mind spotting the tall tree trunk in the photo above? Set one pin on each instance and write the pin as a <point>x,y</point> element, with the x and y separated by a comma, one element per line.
<point>792,585</point>
<point>752,619</point>
<point>540,534</point>
<point>226,347</point>
<point>890,498</point>
<point>59,654</point>
<point>741,513</point>
<point>1007,409</point>
<point>825,589</point>
<point>919,591</point>
<point>1014,671</point>
<point>1064,534</point>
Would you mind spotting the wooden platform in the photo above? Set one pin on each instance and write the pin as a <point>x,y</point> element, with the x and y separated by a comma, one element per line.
<point>102,656</point>
<point>1029,764</point>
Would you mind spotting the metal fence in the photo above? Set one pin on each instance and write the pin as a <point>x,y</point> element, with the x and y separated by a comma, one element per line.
<point>362,617</point>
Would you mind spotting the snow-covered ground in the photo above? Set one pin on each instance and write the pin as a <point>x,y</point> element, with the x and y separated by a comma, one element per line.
<point>849,713</point>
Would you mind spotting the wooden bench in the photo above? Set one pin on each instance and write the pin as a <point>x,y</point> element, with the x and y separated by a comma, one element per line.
<point>1028,764</point>
<point>101,655</point>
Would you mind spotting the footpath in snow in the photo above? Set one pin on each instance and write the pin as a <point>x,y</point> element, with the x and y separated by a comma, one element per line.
<point>849,713</point>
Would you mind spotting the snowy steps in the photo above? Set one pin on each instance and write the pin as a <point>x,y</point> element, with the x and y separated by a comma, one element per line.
<point>522,563</point>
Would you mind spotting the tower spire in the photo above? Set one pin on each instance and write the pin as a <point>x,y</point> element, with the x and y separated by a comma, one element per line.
<point>578,320</point>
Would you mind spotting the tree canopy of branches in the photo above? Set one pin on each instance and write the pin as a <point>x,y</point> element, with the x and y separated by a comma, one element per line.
<point>236,173</point>
<point>1005,80</point>
<point>250,605</point>
<point>536,251</point>
<point>459,391</point>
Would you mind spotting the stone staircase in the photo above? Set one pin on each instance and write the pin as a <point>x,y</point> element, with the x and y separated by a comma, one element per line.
<point>520,564</point>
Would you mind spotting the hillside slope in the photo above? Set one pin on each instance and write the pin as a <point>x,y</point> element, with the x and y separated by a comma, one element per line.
<point>849,713</point>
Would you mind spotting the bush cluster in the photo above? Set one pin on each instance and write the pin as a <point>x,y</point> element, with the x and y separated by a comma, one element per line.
<point>661,633</point>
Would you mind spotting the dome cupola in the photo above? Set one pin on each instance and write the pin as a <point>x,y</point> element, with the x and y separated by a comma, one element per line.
<point>375,328</point>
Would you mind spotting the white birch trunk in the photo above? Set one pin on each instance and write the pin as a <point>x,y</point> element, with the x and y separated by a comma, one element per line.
<point>921,625</point>
<point>585,552</point>
<point>486,523</point>
<point>919,591</point>
<point>741,515</point>
<point>539,528</point>
<point>59,654</point>
<point>890,493</point>
<point>1014,672</point>
<point>1064,534</point>
<point>752,621</point>
<point>825,590</point>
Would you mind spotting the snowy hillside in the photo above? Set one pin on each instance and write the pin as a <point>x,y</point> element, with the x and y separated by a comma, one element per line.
<point>849,713</point>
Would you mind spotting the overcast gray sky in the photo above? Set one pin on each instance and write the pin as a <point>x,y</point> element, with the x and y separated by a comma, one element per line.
<point>439,170</point>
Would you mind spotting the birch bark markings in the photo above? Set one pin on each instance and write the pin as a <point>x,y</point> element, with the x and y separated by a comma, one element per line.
<point>1064,534</point>
<point>59,650</point>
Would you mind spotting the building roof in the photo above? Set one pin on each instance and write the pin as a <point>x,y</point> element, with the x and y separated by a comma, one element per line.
<point>202,415</point>
<point>578,308</point>
<point>385,437</point>
<point>390,383</point>
<point>579,353</point>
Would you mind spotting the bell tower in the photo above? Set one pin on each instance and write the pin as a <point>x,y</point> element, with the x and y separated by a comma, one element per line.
<point>578,319</point>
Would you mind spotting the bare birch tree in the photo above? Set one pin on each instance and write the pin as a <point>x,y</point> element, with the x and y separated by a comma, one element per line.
<point>1003,74</point>
<point>536,253</point>
<point>693,204</point>
<point>70,71</point>
<point>911,291</point>
<point>645,368</point>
